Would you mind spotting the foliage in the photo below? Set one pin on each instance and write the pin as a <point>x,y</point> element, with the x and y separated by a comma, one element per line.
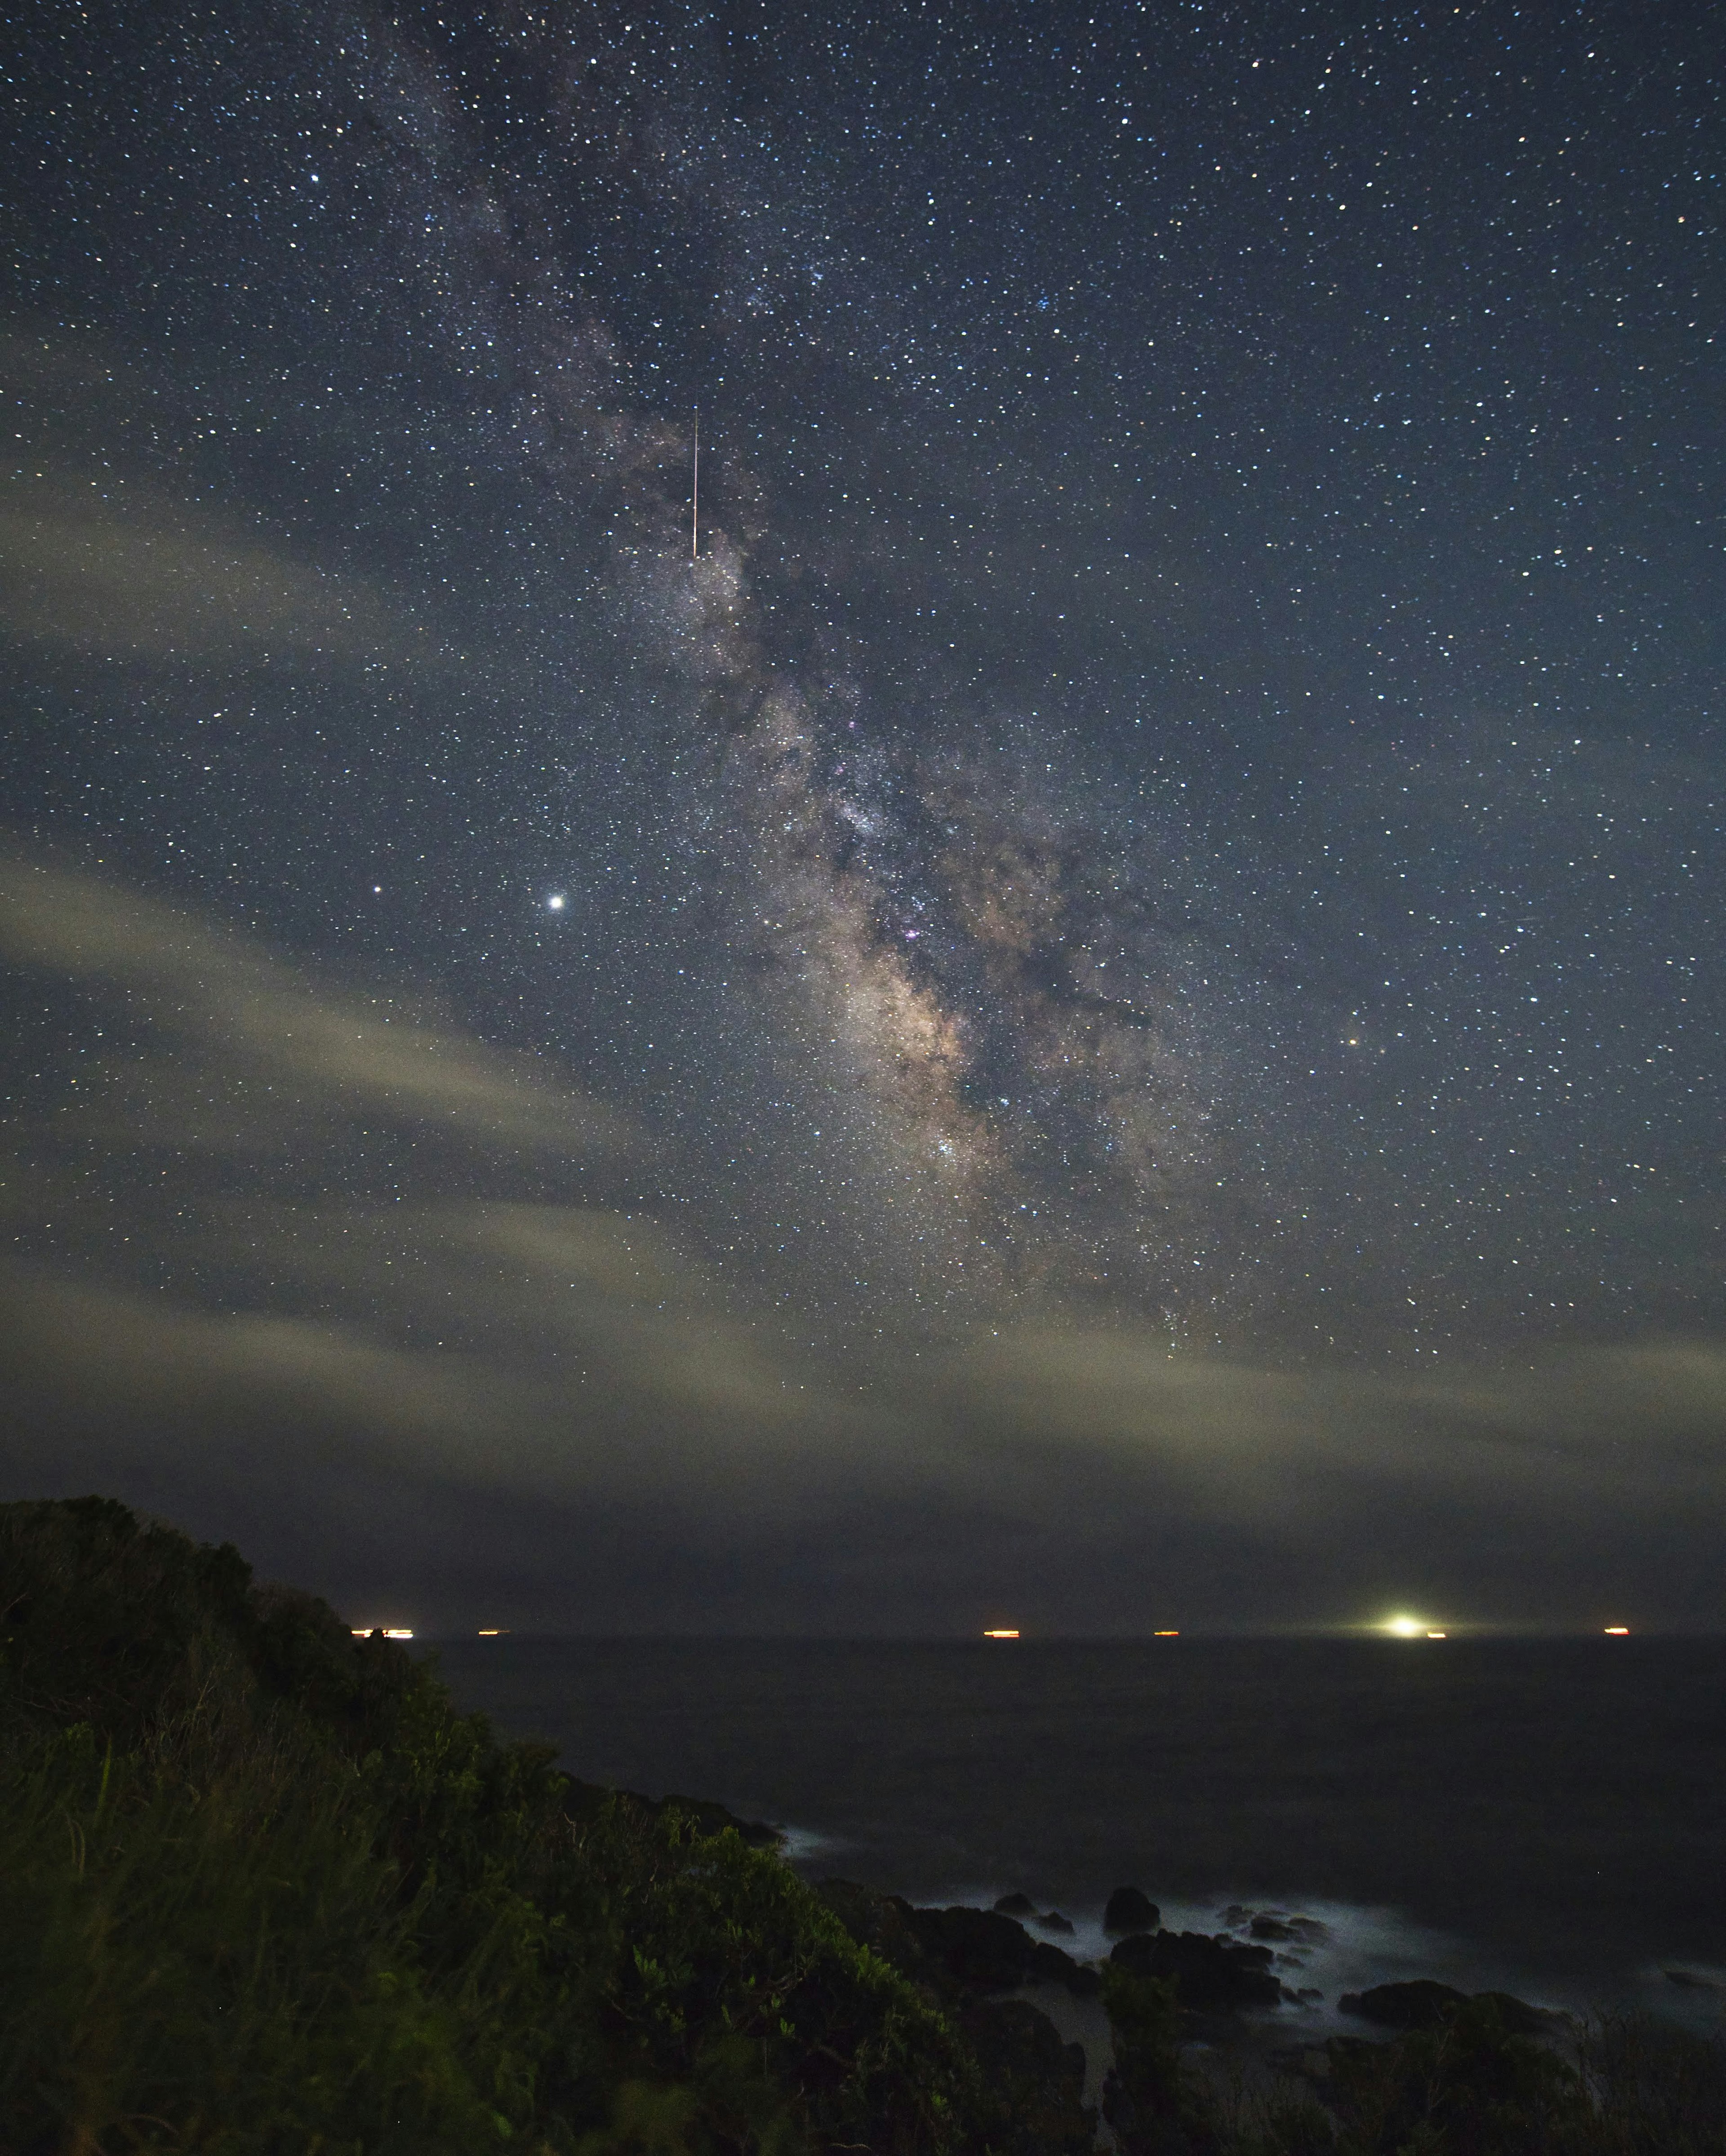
<point>261,1887</point>
<point>263,1890</point>
<point>1155,2103</point>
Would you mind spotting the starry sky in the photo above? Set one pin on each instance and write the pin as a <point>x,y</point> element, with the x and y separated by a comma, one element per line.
<point>1092,999</point>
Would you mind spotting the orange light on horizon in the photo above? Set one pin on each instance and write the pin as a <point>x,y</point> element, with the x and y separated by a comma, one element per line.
<point>1002,1632</point>
<point>1438,1635</point>
<point>493,1631</point>
<point>1618,1631</point>
<point>389,1631</point>
<point>1165,1635</point>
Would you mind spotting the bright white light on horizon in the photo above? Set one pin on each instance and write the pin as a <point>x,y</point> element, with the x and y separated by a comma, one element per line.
<point>1405,1628</point>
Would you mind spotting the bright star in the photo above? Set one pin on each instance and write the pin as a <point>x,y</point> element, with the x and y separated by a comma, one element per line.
<point>555,903</point>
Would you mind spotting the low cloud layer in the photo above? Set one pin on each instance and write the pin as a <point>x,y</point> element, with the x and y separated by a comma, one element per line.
<point>308,1264</point>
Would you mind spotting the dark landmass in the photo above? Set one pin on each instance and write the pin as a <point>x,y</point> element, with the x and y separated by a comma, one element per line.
<point>1424,2005</point>
<point>263,1888</point>
<point>1129,1909</point>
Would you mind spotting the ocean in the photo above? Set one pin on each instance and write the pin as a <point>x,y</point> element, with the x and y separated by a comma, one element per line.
<point>1544,1816</point>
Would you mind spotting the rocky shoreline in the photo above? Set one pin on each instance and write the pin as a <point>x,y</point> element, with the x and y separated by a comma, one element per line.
<point>1024,1999</point>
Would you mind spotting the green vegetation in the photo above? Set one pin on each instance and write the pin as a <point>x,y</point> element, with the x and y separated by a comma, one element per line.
<point>262,1889</point>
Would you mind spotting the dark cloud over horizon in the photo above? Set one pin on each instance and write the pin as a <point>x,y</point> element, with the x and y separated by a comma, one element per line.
<point>1112,1002</point>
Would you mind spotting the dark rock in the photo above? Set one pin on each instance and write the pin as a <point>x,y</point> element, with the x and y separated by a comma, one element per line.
<point>1424,2003</point>
<point>1687,1979</point>
<point>1518,2017</point>
<point>1050,1965</point>
<point>1053,1921</point>
<point>1273,1928</point>
<point>1015,1905</point>
<point>1210,1975</point>
<point>1039,2081</point>
<point>967,1951</point>
<point>979,1949</point>
<point>1420,2005</point>
<point>1130,1910</point>
<point>1308,1927</point>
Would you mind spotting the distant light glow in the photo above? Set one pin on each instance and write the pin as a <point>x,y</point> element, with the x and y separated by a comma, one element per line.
<point>1405,1628</point>
<point>1438,1635</point>
<point>493,1631</point>
<point>389,1631</point>
<point>557,902</point>
<point>1618,1631</point>
<point>1165,1635</point>
<point>1001,1632</point>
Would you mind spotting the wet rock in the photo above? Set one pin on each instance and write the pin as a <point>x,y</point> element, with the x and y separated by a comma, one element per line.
<point>1039,2081</point>
<point>1424,2003</point>
<point>1015,1905</point>
<point>1053,1921</point>
<point>1308,1927</point>
<point>978,1950</point>
<point>1210,1975</point>
<point>1273,1928</point>
<point>1130,1910</point>
<point>1687,1979</point>
<point>1050,1965</point>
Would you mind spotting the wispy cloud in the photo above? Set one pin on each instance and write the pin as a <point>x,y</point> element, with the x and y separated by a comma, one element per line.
<point>314,1251</point>
<point>269,1047</point>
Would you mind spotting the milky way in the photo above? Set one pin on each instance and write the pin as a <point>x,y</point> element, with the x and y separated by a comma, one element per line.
<point>1174,814</point>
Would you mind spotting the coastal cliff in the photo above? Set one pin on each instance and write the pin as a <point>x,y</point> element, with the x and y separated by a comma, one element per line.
<point>263,1888</point>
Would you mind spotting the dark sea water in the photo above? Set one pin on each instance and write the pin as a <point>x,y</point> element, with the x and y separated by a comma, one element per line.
<point>1545,1815</point>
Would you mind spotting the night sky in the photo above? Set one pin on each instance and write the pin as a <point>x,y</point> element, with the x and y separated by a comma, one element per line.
<point>1106,1013</point>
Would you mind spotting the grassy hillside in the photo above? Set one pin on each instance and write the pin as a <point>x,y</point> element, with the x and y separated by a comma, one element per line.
<point>263,1889</point>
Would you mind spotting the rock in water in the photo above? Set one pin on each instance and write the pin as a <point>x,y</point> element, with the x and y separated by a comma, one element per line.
<point>1212,1975</point>
<point>1015,1905</point>
<point>1424,2003</point>
<point>1130,1910</point>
